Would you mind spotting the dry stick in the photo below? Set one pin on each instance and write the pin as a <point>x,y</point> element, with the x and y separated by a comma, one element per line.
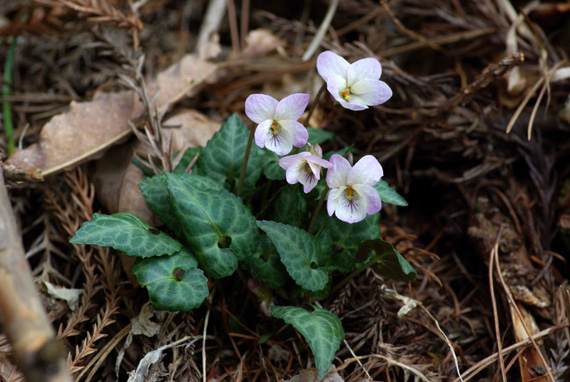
<point>479,366</point>
<point>519,314</point>
<point>321,32</point>
<point>410,32</point>
<point>233,25</point>
<point>245,159</point>
<point>494,252</point>
<point>37,353</point>
<point>315,103</point>
<point>244,22</point>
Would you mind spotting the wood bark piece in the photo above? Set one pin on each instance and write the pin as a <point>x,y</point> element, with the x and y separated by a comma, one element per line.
<point>37,353</point>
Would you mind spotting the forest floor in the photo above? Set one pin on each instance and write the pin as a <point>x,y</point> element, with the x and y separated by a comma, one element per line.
<point>476,138</point>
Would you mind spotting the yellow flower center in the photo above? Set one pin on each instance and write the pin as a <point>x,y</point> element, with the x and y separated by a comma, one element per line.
<point>345,94</point>
<point>274,126</point>
<point>350,193</point>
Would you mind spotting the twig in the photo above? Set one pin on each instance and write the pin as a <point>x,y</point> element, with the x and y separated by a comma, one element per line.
<point>515,307</point>
<point>36,351</point>
<point>494,253</point>
<point>321,32</point>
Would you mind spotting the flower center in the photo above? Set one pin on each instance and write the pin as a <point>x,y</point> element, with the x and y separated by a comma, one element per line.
<point>350,192</point>
<point>345,94</point>
<point>274,127</point>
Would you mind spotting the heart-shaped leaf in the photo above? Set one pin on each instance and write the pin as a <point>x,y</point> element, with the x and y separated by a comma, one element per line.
<point>321,329</point>
<point>266,265</point>
<point>127,233</point>
<point>218,227</point>
<point>155,191</point>
<point>173,282</point>
<point>222,158</point>
<point>299,252</point>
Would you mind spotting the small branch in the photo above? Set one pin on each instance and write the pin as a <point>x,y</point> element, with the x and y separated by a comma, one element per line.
<point>37,353</point>
<point>322,31</point>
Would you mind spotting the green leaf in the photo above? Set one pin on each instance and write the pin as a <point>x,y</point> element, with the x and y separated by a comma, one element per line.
<point>127,233</point>
<point>271,168</point>
<point>222,158</point>
<point>173,282</point>
<point>290,206</point>
<point>299,252</point>
<point>321,329</point>
<point>389,195</point>
<point>218,227</point>
<point>387,261</point>
<point>318,136</point>
<point>266,265</point>
<point>155,191</point>
<point>347,237</point>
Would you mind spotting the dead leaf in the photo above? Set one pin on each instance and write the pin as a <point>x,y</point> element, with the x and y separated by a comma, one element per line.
<point>70,295</point>
<point>259,42</point>
<point>81,133</point>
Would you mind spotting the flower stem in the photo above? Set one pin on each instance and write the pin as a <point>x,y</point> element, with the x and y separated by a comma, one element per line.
<point>245,159</point>
<point>318,209</point>
<point>315,103</point>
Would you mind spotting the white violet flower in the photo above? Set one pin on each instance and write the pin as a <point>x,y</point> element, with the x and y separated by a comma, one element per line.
<point>278,128</point>
<point>352,194</point>
<point>305,167</point>
<point>355,86</point>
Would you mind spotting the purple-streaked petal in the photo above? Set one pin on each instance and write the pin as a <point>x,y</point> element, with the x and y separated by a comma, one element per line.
<point>351,211</point>
<point>260,107</point>
<point>371,92</point>
<point>333,199</point>
<point>370,195</point>
<point>315,169</point>
<point>338,173</point>
<point>280,144</point>
<point>309,184</point>
<point>330,63</point>
<point>366,171</point>
<point>261,132</point>
<point>366,68</point>
<point>296,132</point>
<point>291,107</point>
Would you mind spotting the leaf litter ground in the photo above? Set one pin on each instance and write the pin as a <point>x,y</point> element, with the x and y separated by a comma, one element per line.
<point>479,199</point>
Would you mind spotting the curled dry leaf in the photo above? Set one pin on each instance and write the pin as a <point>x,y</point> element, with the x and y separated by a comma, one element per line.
<point>81,133</point>
<point>89,128</point>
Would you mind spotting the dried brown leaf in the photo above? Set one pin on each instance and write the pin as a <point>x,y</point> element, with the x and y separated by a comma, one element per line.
<point>81,133</point>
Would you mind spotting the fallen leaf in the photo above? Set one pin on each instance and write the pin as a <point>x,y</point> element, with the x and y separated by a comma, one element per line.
<point>81,133</point>
<point>70,295</point>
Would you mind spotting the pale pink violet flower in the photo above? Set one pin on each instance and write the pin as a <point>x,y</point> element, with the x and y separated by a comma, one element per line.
<point>305,167</point>
<point>278,128</point>
<point>355,86</point>
<point>352,194</point>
